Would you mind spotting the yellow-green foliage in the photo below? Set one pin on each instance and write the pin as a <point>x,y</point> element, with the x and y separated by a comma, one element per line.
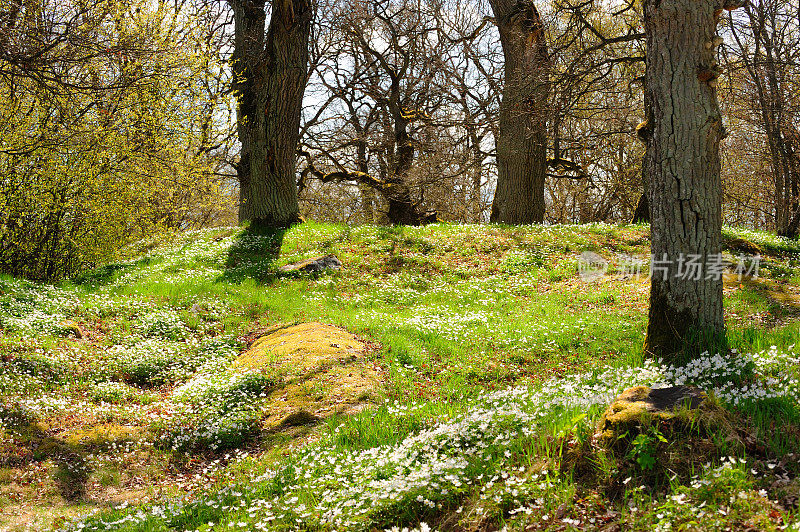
<point>118,146</point>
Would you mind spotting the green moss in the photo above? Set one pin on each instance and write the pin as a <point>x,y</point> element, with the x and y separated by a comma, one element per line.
<point>69,328</point>
<point>300,349</point>
<point>105,436</point>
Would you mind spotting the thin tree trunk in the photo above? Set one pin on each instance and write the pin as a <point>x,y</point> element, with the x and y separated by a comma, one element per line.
<point>367,193</point>
<point>522,137</point>
<point>685,188</point>
<point>642,212</point>
<point>269,81</point>
<point>764,69</point>
<point>477,192</point>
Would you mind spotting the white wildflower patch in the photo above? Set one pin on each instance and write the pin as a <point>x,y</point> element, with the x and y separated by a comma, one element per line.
<point>164,323</point>
<point>218,408</point>
<point>726,375</point>
<point>329,488</point>
<point>164,363</point>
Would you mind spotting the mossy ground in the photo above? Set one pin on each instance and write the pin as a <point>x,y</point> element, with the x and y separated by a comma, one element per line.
<point>435,317</point>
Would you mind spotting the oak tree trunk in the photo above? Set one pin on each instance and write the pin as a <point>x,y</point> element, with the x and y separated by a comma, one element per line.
<point>270,72</point>
<point>402,209</point>
<point>522,138</point>
<point>683,165</point>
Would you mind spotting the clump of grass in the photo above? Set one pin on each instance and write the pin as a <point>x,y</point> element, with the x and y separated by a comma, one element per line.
<point>119,393</point>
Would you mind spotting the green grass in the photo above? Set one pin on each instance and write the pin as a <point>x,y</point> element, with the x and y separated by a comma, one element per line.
<point>454,312</point>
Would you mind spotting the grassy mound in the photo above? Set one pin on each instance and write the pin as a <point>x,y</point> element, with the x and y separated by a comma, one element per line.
<point>476,368</point>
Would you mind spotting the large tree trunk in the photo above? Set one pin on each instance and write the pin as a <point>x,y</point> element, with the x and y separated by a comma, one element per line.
<point>522,139</point>
<point>402,209</point>
<point>683,164</point>
<point>270,74</point>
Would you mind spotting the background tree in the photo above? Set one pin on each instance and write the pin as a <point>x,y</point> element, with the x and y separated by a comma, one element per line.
<point>391,128</point>
<point>522,136</point>
<point>270,75</point>
<point>97,145</point>
<point>765,40</point>
<point>594,159</point>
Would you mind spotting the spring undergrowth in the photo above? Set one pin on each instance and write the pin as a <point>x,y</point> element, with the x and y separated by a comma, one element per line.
<point>485,450</point>
<point>495,356</point>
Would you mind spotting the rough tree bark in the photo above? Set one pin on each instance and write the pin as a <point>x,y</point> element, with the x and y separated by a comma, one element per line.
<point>402,209</point>
<point>270,71</point>
<point>683,163</point>
<point>522,139</point>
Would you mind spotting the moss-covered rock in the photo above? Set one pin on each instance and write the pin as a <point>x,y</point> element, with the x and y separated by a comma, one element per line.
<point>322,367</point>
<point>313,265</point>
<point>301,417</point>
<point>684,411</point>
<point>642,405</point>
<point>653,435</point>
<point>298,350</point>
<point>69,328</point>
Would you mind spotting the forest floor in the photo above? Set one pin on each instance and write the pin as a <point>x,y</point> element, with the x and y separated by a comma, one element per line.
<point>447,377</point>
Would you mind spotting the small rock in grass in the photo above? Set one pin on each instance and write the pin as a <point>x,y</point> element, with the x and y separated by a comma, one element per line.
<point>70,328</point>
<point>315,264</point>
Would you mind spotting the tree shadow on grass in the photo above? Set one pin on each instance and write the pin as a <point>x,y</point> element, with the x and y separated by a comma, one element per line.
<point>107,274</point>
<point>253,254</point>
<point>782,299</point>
<point>31,443</point>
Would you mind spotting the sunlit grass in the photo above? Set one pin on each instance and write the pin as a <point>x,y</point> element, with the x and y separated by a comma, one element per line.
<point>456,313</point>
